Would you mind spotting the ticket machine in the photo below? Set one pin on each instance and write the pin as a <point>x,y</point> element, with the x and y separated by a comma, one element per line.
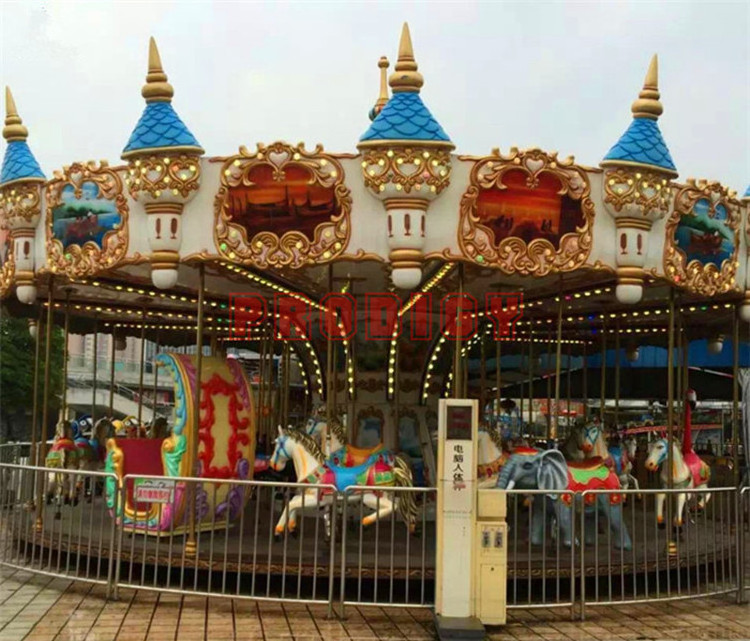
<point>471,561</point>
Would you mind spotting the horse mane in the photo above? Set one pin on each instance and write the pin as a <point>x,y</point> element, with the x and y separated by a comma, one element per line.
<point>338,430</point>
<point>308,442</point>
<point>495,438</point>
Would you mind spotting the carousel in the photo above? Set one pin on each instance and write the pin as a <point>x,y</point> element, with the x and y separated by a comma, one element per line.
<point>392,274</point>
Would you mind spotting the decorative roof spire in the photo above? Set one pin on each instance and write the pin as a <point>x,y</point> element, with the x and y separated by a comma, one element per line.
<point>648,105</point>
<point>404,119</point>
<point>642,144</point>
<point>382,100</point>
<point>160,128</point>
<point>18,163</point>
<point>14,129</point>
<point>406,78</point>
<point>156,89</point>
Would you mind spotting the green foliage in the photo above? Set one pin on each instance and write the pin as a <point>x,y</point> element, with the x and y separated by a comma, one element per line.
<point>17,350</point>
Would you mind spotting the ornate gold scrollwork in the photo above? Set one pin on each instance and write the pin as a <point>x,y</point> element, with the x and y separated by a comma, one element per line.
<point>513,254</point>
<point>294,248</point>
<point>76,260</point>
<point>410,170</point>
<point>7,271</point>
<point>648,190</point>
<point>709,279</point>
<point>162,174</point>
<point>20,202</point>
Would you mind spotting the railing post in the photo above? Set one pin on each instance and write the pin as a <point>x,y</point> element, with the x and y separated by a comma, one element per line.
<point>120,502</point>
<point>583,551</point>
<point>113,551</point>
<point>342,576</point>
<point>740,544</point>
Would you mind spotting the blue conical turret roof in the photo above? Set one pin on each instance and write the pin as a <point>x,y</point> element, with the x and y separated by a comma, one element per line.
<point>19,162</point>
<point>404,118</point>
<point>642,143</point>
<point>159,128</point>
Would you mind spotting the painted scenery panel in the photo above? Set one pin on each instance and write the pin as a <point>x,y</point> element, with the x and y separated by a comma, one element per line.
<point>295,203</point>
<point>529,209</point>
<point>76,221</point>
<point>706,239</point>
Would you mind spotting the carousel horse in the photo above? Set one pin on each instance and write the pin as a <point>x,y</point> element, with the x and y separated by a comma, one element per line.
<point>63,454</point>
<point>618,458</point>
<point>582,442</point>
<point>688,470</point>
<point>491,456</point>
<point>336,435</point>
<point>381,470</point>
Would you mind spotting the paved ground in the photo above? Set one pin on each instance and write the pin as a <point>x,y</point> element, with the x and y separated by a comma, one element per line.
<point>38,608</point>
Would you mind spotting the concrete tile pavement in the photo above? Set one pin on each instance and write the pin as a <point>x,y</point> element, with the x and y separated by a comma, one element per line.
<point>39,608</point>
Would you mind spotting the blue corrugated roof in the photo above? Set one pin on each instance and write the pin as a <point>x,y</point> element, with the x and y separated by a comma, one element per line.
<point>160,126</point>
<point>19,163</point>
<point>747,192</point>
<point>642,143</point>
<point>405,117</point>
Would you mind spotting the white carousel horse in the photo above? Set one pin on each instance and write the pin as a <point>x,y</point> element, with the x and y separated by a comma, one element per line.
<point>491,456</point>
<point>381,470</point>
<point>688,472</point>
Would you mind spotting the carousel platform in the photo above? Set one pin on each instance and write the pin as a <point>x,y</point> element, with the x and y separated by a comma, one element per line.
<point>248,552</point>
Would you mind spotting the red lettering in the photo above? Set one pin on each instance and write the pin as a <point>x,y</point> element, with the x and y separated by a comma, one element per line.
<point>247,311</point>
<point>293,317</point>
<point>419,316</point>
<point>458,316</point>
<point>504,310</point>
<point>339,308</point>
<point>382,318</point>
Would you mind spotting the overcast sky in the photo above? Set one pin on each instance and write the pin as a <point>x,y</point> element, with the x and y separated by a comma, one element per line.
<point>558,75</point>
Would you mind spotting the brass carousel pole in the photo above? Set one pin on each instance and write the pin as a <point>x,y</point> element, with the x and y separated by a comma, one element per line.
<point>66,333</point>
<point>33,454</point>
<point>603,380</point>
<point>531,375</point>
<point>140,373</point>
<point>155,368</point>
<point>190,546</point>
<point>569,382</point>
<point>330,364</point>
<point>94,372</point>
<point>498,380</point>
<point>735,395</point>
<point>286,381</point>
<point>679,393</point>
<point>35,402</point>
<point>671,543</point>
<point>458,376</point>
<point>617,375</point>
<point>482,374</point>
<point>585,380</point>
<point>552,436</point>
<point>45,405</point>
<point>112,357</point>
<point>549,382</point>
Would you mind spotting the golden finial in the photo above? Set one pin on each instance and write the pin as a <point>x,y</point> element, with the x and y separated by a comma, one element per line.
<point>406,78</point>
<point>156,89</point>
<point>648,105</point>
<point>382,100</point>
<point>14,129</point>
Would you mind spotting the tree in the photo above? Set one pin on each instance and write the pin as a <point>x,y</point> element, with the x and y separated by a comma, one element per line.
<point>17,349</point>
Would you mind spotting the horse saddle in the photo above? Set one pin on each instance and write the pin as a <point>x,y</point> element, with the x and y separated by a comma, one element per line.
<point>350,456</point>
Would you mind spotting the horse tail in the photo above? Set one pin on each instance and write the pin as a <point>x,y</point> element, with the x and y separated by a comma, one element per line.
<point>406,505</point>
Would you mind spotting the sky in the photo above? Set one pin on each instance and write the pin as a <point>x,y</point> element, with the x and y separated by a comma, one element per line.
<point>557,75</point>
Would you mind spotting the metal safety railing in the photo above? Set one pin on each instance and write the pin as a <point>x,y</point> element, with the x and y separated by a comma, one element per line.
<point>388,560</point>
<point>313,543</point>
<point>54,534</point>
